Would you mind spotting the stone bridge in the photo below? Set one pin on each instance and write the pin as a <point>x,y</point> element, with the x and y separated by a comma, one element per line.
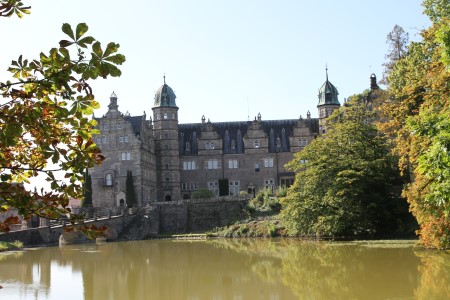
<point>151,221</point>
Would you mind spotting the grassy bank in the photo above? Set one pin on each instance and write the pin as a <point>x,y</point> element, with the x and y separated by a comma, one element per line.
<point>8,246</point>
<point>262,220</point>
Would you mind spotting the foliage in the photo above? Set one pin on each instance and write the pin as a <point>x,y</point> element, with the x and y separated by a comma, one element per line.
<point>202,194</point>
<point>87,201</point>
<point>45,125</point>
<point>6,246</point>
<point>129,190</point>
<point>266,227</point>
<point>264,200</point>
<point>343,181</point>
<point>416,118</point>
<point>398,41</point>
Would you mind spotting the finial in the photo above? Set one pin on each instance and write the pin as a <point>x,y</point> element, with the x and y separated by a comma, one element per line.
<point>164,78</point>
<point>326,70</point>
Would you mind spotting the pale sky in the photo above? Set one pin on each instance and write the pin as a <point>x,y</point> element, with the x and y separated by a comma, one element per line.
<point>228,60</point>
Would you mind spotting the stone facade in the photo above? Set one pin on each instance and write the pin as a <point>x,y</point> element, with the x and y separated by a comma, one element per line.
<point>169,161</point>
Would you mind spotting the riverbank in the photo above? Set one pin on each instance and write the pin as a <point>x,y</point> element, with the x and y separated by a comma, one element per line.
<point>11,246</point>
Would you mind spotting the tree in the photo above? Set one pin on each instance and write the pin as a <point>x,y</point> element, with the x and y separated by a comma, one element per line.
<point>417,120</point>
<point>397,41</point>
<point>129,190</point>
<point>45,124</point>
<point>343,182</point>
<point>87,201</point>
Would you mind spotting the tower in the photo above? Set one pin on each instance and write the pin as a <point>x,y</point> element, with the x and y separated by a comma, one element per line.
<point>328,102</point>
<point>165,125</point>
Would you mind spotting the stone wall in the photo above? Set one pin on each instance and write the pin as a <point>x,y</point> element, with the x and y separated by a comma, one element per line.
<point>183,216</point>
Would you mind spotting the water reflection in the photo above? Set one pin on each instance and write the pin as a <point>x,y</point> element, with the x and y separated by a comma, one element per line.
<point>227,269</point>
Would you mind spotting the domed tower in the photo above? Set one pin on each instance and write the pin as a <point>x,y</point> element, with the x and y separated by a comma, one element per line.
<point>165,125</point>
<point>328,102</point>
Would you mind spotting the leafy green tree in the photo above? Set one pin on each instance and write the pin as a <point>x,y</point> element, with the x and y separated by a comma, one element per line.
<point>416,118</point>
<point>343,182</point>
<point>45,124</point>
<point>87,201</point>
<point>129,190</point>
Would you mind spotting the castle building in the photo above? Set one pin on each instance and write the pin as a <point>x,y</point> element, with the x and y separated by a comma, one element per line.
<point>169,161</point>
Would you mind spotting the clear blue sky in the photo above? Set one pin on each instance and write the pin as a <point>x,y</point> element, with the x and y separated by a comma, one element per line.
<point>226,60</point>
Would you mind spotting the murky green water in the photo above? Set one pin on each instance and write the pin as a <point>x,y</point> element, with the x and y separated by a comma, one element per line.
<point>227,269</point>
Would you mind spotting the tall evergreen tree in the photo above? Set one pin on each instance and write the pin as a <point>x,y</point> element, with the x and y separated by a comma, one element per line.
<point>129,190</point>
<point>397,40</point>
<point>87,201</point>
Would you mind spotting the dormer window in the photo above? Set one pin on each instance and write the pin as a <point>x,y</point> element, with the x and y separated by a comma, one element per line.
<point>256,144</point>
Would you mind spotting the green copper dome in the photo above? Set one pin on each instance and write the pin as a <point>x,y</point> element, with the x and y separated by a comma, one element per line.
<point>328,94</point>
<point>165,96</point>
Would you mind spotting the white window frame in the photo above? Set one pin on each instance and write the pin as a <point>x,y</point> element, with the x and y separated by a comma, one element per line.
<point>268,162</point>
<point>121,139</point>
<point>210,146</point>
<point>269,183</point>
<point>233,187</point>
<point>109,179</point>
<point>213,164</point>
<point>256,144</point>
<point>214,187</point>
<point>189,165</point>
<point>233,164</point>
<point>126,138</point>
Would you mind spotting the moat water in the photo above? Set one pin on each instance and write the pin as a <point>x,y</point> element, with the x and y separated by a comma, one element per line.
<point>227,269</point>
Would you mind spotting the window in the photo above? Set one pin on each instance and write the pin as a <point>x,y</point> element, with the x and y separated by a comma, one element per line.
<point>119,125</point>
<point>209,145</point>
<point>189,186</point>
<point>233,187</point>
<point>105,126</point>
<point>126,138</point>
<point>268,162</point>
<point>213,164</point>
<point>269,183</point>
<point>302,142</point>
<point>256,144</point>
<point>189,165</point>
<point>214,187</point>
<point>109,179</point>
<point>121,139</point>
<point>233,164</point>
<point>287,182</point>
<point>165,116</point>
<point>126,156</point>
<point>104,139</point>
<point>256,167</point>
